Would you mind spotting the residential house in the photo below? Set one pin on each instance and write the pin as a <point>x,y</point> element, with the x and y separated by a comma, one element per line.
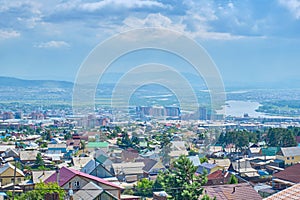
<point>28,157</point>
<point>129,155</point>
<point>80,162</point>
<point>269,151</point>
<point>129,172</point>
<point>218,177</point>
<point>254,151</point>
<point>286,178</point>
<point>290,155</point>
<point>10,153</point>
<point>37,177</point>
<point>7,174</point>
<point>151,155</point>
<point>55,141</point>
<point>3,148</point>
<point>78,180</point>
<point>208,167</point>
<point>241,191</point>
<point>98,145</point>
<point>223,163</point>
<point>178,148</point>
<point>57,148</point>
<point>74,143</point>
<point>244,168</point>
<point>195,160</point>
<point>92,191</point>
<point>291,193</point>
<point>98,169</point>
<point>152,167</point>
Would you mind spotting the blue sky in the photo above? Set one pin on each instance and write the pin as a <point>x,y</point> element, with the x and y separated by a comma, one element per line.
<point>255,41</point>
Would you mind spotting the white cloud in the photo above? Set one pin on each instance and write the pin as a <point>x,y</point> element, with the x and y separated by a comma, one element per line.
<point>7,34</point>
<point>152,20</point>
<point>293,6</point>
<point>99,5</point>
<point>52,44</point>
<point>199,28</point>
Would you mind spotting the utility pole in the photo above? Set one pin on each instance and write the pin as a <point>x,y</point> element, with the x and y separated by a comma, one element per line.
<point>14,182</point>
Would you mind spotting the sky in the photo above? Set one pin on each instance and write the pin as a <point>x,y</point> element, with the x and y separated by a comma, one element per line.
<point>250,41</point>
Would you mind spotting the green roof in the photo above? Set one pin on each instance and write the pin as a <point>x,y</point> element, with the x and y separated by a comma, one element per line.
<point>97,145</point>
<point>270,151</point>
<point>101,159</point>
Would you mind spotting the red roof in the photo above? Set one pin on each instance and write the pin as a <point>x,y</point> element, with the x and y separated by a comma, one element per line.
<point>232,192</point>
<point>291,174</point>
<point>219,174</point>
<point>66,174</point>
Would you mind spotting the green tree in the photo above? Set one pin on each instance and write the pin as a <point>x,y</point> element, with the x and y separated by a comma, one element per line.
<point>39,160</point>
<point>203,160</point>
<point>233,180</point>
<point>144,187</point>
<point>180,181</point>
<point>82,144</point>
<point>40,190</point>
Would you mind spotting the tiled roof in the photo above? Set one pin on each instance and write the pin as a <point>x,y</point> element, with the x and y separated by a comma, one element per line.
<point>291,174</point>
<point>66,174</point>
<point>291,193</point>
<point>242,191</point>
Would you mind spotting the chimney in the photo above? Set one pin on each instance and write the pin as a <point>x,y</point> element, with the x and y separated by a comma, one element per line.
<point>57,175</point>
<point>233,190</point>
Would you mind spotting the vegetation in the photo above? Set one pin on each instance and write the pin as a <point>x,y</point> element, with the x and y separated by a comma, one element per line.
<point>180,181</point>
<point>280,137</point>
<point>144,187</point>
<point>233,180</point>
<point>240,138</point>
<point>39,160</point>
<point>41,189</point>
<point>203,160</point>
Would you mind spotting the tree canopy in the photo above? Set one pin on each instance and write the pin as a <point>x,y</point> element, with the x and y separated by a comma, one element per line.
<point>181,181</point>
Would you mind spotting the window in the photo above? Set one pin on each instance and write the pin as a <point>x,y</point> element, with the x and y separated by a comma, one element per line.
<point>76,184</point>
<point>19,179</point>
<point>288,158</point>
<point>293,158</point>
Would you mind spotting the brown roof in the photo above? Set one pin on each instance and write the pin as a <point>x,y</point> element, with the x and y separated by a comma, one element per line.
<point>291,174</point>
<point>219,174</point>
<point>291,193</point>
<point>129,155</point>
<point>242,191</point>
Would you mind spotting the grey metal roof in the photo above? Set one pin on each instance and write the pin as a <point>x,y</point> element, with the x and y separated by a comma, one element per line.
<point>290,151</point>
<point>89,191</point>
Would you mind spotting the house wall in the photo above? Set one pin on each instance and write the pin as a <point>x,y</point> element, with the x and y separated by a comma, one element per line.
<point>288,160</point>
<point>7,176</point>
<point>83,181</point>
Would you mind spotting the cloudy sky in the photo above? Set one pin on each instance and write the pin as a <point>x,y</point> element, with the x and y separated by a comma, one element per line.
<point>250,41</point>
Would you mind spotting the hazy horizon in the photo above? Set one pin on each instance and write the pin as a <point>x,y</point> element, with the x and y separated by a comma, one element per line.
<point>253,43</point>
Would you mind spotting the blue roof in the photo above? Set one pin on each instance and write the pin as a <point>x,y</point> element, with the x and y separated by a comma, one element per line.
<point>3,194</point>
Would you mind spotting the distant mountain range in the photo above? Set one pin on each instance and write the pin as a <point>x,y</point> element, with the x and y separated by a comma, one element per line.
<point>16,82</point>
